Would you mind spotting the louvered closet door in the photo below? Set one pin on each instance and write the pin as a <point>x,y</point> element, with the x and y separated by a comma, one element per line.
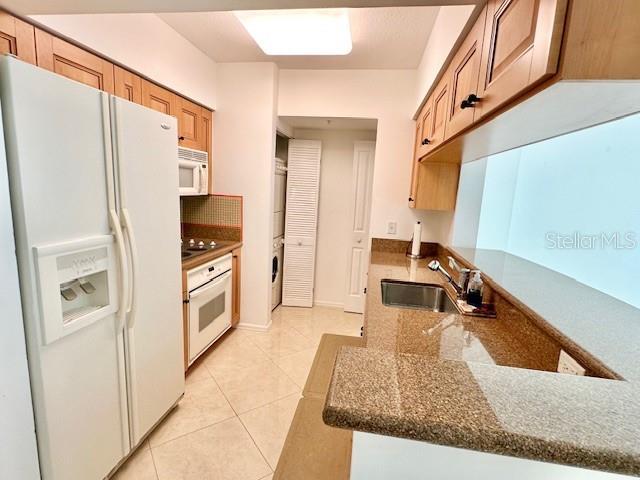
<point>301,220</point>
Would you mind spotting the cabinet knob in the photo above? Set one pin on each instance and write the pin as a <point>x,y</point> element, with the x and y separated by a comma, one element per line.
<point>181,138</point>
<point>426,141</point>
<point>470,101</point>
<point>410,199</point>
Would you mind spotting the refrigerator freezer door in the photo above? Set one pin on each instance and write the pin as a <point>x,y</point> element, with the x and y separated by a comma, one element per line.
<point>18,453</point>
<point>146,152</point>
<point>57,171</point>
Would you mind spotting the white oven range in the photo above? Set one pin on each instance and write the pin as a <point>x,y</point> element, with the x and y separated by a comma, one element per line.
<point>209,304</point>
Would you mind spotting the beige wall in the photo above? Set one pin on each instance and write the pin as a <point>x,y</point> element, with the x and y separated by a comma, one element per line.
<point>446,30</point>
<point>334,214</point>
<point>389,97</point>
<point>147,45</point>
<point>243,152</point>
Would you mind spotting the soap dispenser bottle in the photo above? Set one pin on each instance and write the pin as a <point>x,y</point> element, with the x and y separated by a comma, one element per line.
<point>474,291</point>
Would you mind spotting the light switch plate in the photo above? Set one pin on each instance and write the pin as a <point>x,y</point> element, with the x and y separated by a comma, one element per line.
<point>567,364</point>
<point>392,228</point>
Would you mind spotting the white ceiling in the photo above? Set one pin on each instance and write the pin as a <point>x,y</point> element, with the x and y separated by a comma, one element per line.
<point>383,38</point>
<point>48,7</point>
<point>331,123</point>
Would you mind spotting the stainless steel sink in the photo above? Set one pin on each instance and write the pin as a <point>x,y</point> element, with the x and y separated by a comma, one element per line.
<point>425,296</point>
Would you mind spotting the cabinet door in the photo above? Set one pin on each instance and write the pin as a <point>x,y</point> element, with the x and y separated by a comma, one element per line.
<point>423,129</point>
<point>437,186</point>
<point>190,128</point>
<point>158,98</point>
<point>207,132</point>
<point>17,38</point>
<point>464,73</point>
<point>440,107</point>
<point>73,62</point>
<point>521,47</point>
<point>128,85</point>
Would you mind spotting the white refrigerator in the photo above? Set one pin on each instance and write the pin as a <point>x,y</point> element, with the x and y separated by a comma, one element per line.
<point>94,196</point>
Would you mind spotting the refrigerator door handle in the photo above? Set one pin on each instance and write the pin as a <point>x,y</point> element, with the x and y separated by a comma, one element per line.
<point>133,291</point>
<point>124,269</point>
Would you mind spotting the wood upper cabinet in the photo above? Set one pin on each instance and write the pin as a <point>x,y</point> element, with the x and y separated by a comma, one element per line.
<point>191,132</point>
<point>441,99</point>
<point>521,47</point>
<point>159,99</point>
<point>464,72</point>
<point>128,85</point>
<point>66,59</point>
<point>424,125</point>
<point>437,186</point>
<point>17,38</point>
<point>207,129</point>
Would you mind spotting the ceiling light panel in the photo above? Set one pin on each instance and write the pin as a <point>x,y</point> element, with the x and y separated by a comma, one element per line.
<point>299,32</point>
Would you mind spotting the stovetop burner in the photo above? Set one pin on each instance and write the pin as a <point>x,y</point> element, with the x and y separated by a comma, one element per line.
<point>197,246</point>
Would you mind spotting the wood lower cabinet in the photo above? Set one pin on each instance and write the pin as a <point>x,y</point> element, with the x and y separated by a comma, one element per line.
<point>236,281</point>
<point>521,48</point>
<point>463,77</point>
<point>17,38</point>
<point>159,99</point>
<point>437,186</point>
<point>70,61</point>
<point>128,85</point>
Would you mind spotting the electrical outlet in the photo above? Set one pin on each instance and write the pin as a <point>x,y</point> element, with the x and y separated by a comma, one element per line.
<point>392,228</point>
<point>569,365</point>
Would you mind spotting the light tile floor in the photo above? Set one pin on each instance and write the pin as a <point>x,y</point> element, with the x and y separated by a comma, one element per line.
<point>239,402</point>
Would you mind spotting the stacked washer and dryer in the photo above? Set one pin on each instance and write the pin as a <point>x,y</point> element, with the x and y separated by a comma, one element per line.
<point>279,205</point>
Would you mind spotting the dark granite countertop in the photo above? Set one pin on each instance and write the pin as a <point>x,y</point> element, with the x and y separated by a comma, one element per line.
<point>224,247</point>
<point>461,381</point>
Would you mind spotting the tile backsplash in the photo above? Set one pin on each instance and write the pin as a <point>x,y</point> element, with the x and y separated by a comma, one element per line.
<point>214,216</point>
<point>218,210</point>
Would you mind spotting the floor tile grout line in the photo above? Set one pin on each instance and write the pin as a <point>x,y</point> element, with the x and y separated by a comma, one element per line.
<point>153,460</point>
<point>194,431</point>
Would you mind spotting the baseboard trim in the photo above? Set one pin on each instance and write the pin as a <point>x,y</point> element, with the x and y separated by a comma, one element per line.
<point>254,327</point>
<point>321,303</point>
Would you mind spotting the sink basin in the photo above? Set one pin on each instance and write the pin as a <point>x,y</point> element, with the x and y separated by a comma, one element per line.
<point>424,296</point>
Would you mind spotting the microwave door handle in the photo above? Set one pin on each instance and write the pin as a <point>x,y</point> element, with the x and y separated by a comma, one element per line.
<point>208,286</point>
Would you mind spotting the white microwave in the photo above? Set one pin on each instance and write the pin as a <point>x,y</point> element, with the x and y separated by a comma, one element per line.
<point>192,171</point>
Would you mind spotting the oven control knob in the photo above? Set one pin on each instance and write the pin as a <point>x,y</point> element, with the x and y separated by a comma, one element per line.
<point>192,242</point>
<point>212,244</point>
<point>201,244</point>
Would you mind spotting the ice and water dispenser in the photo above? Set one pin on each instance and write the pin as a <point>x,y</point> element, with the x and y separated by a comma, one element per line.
<point>77,284</point>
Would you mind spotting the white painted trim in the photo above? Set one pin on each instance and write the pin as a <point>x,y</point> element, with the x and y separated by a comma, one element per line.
<point>323,303</point>
<point>254,327</point>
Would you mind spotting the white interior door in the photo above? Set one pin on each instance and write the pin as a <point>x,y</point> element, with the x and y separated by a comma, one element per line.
<point>363,158</point>
<point>301,222</point>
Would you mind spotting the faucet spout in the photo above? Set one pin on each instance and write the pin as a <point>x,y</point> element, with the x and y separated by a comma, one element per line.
<point>436,267</point>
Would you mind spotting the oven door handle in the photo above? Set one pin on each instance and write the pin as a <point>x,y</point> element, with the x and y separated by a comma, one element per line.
<point>208,286</point>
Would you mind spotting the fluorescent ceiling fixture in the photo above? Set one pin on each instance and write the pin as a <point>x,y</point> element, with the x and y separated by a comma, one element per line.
<point>299,32</point>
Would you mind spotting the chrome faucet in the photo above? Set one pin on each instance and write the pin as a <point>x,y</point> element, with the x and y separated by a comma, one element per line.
<point>461,288</point>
